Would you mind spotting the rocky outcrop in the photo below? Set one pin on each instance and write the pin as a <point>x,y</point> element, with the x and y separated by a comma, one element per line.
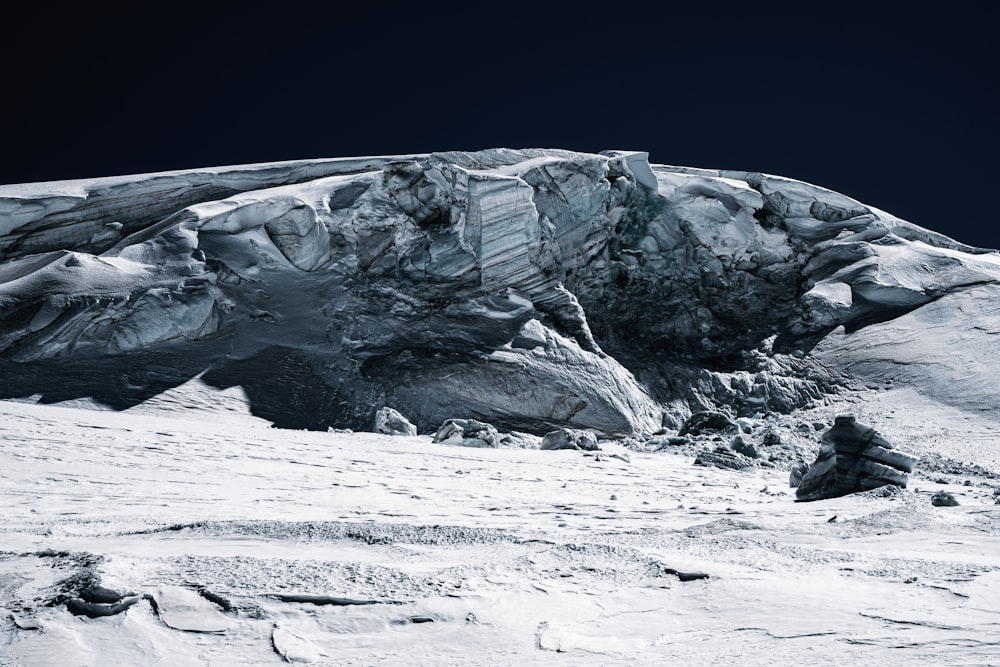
<point>853,458</point>
<point>530,289</point>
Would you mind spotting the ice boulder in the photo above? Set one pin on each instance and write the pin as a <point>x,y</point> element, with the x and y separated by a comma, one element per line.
<point>570,438</point>
<point>391,422</point>
<point>853,457</point>
<point>468,433</point>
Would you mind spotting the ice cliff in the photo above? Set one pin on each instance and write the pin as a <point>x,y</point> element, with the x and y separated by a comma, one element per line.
<point>531,289</point>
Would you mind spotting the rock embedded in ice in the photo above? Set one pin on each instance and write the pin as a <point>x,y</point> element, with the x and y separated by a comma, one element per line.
<point>391,422</point>
<point>567,438</point>
<point>853,457</point>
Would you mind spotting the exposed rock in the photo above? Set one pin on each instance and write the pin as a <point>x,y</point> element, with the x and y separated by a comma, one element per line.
<point>722,457</point>
<point>390,422</point>
<point>852,458</point>
<point>468,433</point>
<point>567,438</point>
<point>944,499</point>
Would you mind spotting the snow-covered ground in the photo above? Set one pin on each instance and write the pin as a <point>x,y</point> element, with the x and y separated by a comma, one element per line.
<point>481,556</point>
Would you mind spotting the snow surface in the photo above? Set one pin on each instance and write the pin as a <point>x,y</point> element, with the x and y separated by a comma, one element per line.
<point>480,556</point>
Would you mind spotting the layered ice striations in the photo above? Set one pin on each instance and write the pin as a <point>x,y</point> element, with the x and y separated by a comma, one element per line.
<point>531,289</point>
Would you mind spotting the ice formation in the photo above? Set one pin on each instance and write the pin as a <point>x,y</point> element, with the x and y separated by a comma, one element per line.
<point>530,289</point>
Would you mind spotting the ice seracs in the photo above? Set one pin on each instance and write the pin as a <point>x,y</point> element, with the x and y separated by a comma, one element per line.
<point>528,289</point>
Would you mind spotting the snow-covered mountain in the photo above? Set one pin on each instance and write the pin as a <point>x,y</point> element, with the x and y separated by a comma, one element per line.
<point>528,288</point>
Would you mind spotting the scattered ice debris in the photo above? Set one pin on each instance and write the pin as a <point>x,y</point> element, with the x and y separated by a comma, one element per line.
<point>569,438</point>
<point>391,422</point>
<point>708,422</point>
<point>739,445</point>
<point>668,442</point>
<point>771,438</point>
<point>796,473</point>
<point>187,610</point>
<point>722,457</point>
<point>293,647</point>
<point>468,433</point>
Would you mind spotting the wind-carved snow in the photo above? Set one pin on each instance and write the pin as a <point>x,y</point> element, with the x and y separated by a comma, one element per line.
<point>252,545</point>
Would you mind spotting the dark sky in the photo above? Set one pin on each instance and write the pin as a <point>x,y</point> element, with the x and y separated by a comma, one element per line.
<point>897,108</point>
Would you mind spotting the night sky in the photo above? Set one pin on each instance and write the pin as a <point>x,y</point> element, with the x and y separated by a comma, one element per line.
<point>895,108</point>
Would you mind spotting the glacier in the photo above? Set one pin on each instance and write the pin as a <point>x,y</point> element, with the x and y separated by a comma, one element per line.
<point>530,289</point>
